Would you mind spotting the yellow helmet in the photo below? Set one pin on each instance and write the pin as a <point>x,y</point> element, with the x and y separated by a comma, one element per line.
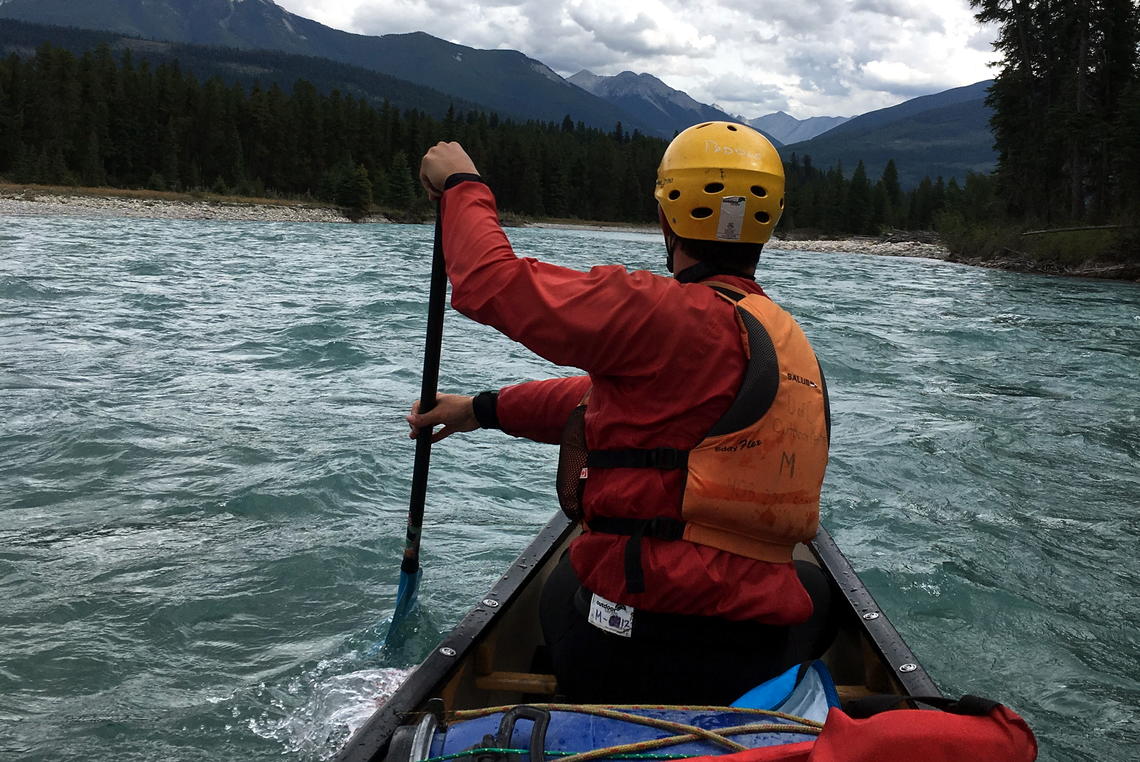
<point>720,181</point>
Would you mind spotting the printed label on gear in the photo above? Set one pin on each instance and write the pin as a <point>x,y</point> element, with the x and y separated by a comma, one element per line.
<point>731,218</point>
<point>611,617</point>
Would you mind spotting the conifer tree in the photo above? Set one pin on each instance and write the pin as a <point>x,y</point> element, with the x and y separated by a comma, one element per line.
<point>401,190</point>
<point>892,191</point>
<point>858,202</point>
<point>1065,69</point>
<point>355,192</point>
<point>91,171</point>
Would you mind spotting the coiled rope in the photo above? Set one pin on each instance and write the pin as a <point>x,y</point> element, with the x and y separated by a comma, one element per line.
<point>682,732</point>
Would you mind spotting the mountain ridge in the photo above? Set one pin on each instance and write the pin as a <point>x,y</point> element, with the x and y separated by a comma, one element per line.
<point>789,129</point>
<point>246,67</point>
<point>504,81</point>
<point>944,134</point>
<point>651,100</point>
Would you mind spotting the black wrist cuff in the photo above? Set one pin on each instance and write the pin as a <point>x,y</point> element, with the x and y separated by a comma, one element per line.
<point>462,177</point>
<point>486,407</point>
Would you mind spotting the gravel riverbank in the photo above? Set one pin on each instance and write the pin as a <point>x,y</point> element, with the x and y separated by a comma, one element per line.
<point>19,201</point>
<point>864,245</point>
<point>34,202</point>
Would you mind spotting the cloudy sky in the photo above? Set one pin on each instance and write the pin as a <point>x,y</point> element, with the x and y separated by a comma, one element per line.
<point>751,57</point>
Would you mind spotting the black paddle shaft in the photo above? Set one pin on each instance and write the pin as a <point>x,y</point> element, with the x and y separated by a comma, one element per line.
<point>433,345</point>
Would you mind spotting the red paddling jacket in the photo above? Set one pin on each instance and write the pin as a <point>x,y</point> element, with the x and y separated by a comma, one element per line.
<point>666,362</point>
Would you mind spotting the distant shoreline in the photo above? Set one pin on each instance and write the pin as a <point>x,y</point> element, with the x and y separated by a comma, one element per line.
<point>25,200</point>
<point>18,200</point>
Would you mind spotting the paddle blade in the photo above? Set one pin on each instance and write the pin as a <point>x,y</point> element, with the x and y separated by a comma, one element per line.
<point>406,596</point>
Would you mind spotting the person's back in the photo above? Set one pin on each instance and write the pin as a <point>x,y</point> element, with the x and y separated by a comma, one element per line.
<point>666,360</point>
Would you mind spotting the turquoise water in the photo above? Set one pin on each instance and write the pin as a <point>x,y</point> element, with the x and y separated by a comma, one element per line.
<point>204,475</point>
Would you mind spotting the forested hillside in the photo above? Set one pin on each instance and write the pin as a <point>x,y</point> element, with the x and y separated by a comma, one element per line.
<point>98,119</point>
<point>1067,107</point>
<point>236,66</point>
<point>505,81</point>
<point>945,134</point>
<point>1066,128</point>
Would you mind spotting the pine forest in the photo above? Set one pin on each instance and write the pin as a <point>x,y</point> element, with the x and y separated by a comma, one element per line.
<point>105,119</point>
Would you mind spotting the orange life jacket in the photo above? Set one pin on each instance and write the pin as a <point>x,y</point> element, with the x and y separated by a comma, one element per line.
<point>753,483</point>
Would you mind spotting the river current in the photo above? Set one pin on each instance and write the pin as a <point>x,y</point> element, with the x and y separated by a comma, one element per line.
<point>204,475</point>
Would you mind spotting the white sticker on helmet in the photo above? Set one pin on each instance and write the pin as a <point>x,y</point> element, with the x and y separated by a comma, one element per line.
<point>731,221</point>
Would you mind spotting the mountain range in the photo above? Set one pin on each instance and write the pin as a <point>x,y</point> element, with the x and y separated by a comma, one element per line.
<point>242,67</point>
<point>650,100</point>
<point>944,134</point>
<point>787,129</point>
<point>505,81</point>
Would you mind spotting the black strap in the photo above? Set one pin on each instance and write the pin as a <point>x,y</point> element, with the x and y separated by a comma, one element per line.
<point>461,177</point>
<point>972,706</point>
<point>735,296</point>
<point>635,529</point>
<point>658,528</point>
<point>702,270</point>
<point>485,405</point>
<point>666,458</point>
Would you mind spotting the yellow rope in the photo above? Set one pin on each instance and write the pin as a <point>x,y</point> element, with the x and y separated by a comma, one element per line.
<point>472,714</point>
<point>685,732</point>
<point>660,743</point>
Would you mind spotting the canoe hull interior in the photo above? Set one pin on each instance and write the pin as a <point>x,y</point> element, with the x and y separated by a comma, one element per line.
<point>489,659</point>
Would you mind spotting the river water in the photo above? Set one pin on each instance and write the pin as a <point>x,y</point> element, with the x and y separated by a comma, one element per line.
<point>204,474</point>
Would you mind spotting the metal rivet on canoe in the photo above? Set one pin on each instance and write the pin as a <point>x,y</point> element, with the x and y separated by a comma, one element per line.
<point>451,651</point>
<point>908,668</point>
<point>490,603</point>
<point>871,615</point>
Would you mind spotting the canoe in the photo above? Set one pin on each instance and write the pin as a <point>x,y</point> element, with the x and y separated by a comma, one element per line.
<point>486,660</point>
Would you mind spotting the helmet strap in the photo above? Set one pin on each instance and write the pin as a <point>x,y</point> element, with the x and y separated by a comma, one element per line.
<point>670,238</point>
<point>703,270</point>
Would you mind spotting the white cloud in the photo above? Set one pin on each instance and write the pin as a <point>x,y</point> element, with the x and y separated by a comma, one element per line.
<point>811,58</point>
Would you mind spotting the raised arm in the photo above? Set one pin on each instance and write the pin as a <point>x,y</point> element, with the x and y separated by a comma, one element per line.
<point>566,316</point>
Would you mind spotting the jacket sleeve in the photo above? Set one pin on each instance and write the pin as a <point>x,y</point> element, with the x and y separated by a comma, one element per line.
<point>538,409</point>
<point>603,321</point>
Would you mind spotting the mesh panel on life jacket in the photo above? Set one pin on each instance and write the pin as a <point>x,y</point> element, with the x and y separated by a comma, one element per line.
<point>572,463</point>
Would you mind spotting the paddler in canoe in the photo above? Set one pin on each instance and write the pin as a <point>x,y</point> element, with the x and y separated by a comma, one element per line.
<point>693,447</point>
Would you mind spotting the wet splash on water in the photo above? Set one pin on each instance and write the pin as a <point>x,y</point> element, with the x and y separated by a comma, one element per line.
<point>334,706</point>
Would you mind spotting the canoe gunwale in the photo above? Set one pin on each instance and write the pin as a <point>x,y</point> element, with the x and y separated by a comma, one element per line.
<point>877,628</point>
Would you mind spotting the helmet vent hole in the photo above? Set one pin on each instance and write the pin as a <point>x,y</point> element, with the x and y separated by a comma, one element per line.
<point>714,187</point>
<point>763,218</point>
<point>674,195</point>
<point>781,203</point>
<point>731,127</point>
<point>701,212</point>
<point>759,191</point>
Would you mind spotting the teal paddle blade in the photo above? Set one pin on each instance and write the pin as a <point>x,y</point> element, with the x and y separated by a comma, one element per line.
<point>407,596</point>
